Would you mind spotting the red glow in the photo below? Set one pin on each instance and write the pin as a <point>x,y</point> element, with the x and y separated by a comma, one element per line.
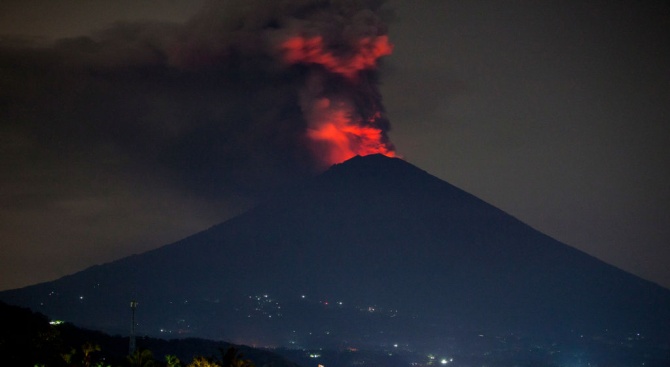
<point>345,138</point>
<point>313,51</point>
<point>338,131</point>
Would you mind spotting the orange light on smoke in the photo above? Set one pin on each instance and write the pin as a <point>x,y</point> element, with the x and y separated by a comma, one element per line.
<point>337,129</point>
<point>313,51</point>
<point>345,139</point>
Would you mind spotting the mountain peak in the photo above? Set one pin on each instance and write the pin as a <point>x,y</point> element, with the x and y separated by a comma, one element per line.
<point>376,157</point>
<point>375,172</point>
<point>375,240</point>
<point>373,162</point>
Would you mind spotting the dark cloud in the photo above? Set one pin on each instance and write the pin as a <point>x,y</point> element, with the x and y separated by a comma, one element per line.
<point>207,104</point>
<point>156,119</point>
<point>105,130</point>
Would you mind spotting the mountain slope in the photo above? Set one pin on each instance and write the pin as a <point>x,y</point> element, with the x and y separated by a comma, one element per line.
<point>381,251</point>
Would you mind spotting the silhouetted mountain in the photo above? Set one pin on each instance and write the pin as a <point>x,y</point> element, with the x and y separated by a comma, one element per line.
<point>373,252</point>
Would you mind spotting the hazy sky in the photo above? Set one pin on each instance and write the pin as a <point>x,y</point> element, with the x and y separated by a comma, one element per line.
<point>557,112</point>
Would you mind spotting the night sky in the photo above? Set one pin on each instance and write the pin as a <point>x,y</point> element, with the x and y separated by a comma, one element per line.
<point>126,125</point>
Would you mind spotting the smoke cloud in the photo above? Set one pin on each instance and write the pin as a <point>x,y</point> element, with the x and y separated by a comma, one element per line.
<point>335,45</point>
<point>244,96</point>
<point>194,121</point>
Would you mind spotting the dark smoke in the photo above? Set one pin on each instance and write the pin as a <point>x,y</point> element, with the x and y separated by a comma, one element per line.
<point>209,105</point>
<point>142,133</point>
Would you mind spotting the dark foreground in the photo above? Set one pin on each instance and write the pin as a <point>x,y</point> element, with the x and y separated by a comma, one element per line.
<point>30,339</point>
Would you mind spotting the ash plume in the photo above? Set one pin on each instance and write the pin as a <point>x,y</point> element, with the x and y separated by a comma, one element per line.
<point>243,96</point>
<point>148,131</point>
<point>335,47</point>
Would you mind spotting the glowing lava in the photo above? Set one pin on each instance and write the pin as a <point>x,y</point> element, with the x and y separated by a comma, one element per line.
<point>343,136</point>
<point>345,120</point>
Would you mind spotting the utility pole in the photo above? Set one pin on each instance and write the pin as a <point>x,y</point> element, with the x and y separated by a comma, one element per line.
<point>131,348</point>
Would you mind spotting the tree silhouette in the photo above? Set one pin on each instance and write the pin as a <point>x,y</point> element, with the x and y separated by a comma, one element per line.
<point>201,361</point>
<point>172,361</point>
<point>142,358</point>
<point>88,348</point>
<point>67,356</point>
<point>229,358</point>
<point>233,358</point>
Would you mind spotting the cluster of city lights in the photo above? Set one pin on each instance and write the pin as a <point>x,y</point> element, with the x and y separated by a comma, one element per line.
<point>265,306</point>
<point>432,358</point>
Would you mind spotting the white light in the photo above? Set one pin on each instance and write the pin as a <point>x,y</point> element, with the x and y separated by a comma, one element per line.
<point>444,361</point>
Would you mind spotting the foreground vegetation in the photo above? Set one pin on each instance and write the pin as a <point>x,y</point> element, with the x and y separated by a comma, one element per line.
<point>29,339</point>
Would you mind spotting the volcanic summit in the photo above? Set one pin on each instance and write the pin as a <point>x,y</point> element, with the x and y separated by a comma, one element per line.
<point>371,252</point>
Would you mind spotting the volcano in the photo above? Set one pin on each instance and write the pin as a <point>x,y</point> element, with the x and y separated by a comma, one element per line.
<point>372,252</point>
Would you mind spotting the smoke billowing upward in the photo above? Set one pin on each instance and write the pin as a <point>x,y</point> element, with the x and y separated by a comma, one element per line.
<point>243,96</point>
<point>339,99</point>
<point>335,45</point>
<point>155,125</point>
